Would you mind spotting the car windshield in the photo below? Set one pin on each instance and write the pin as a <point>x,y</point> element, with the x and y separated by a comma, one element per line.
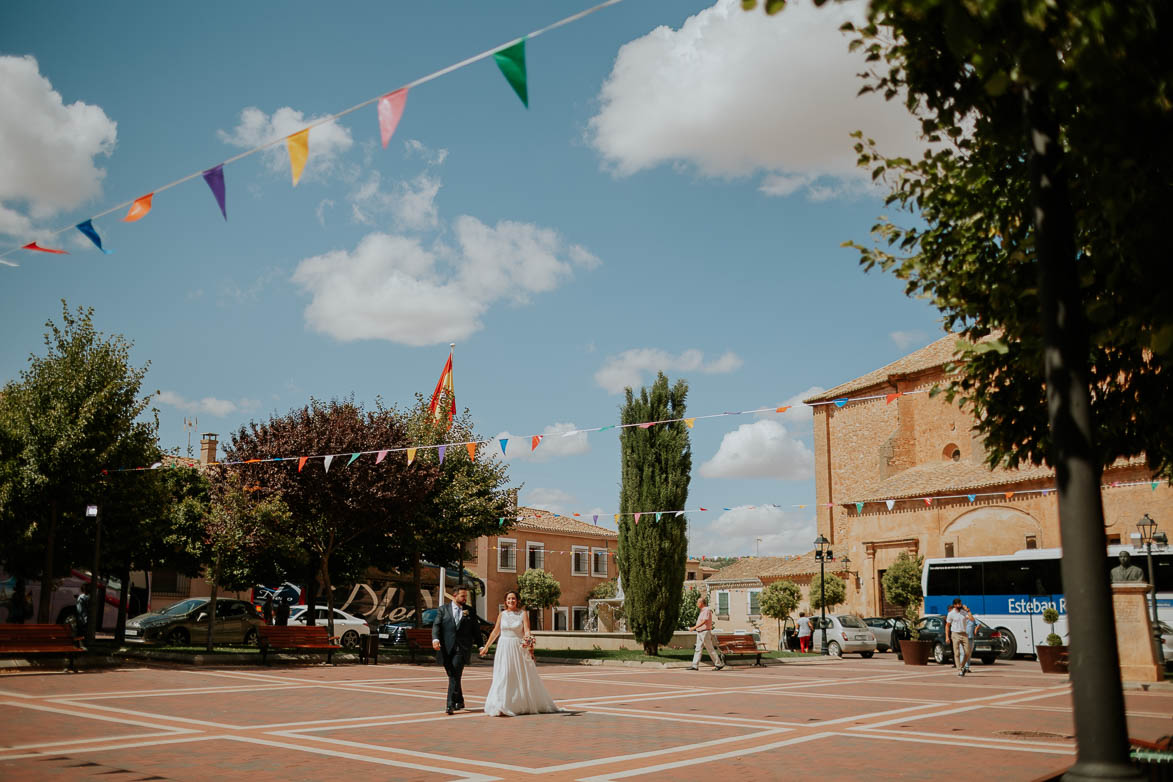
<point>295,611</point>
<point>183,607</point>
<point>851,621</point>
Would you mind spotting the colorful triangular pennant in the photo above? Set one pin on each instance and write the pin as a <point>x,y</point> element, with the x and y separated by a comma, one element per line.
<point>40,249</point>
<point>472,451</point>
<point>890,503</point>
<point>390,110</point>
<point>689,422</point>
<point>301,460</point>
<point>139,209</point>
<point>971,497</point>
<point>214,176</point>
<point>298,145</point>
<point>442,449</point>
<point>859,507</point>
<point>537,438</point>
<point>410,456</point>
<point>329,461</point>
<point>87,229</point>
<point>353,457</point>
<point>380,457</point>
<point>840,402</point>
<point>511,61</point>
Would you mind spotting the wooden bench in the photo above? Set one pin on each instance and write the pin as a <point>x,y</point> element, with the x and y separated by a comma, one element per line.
<point>312,638</point>
<point>419,639</point>
<point>21,640</point>
<point>738,646</point>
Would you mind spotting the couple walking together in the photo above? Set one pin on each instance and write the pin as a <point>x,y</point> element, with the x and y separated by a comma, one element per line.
<point>517,688</point>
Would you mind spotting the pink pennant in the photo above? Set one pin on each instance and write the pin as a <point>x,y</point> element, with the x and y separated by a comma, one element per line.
<point>648,425</point>
<point>637,518</point>
<point>39,248</point>
<point>390,109</point>
<point>380,457</point>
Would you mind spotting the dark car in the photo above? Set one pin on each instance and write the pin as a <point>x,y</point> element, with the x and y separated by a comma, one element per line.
<point>986,647</point>
<point>178,625</point>
<point>392,633</point>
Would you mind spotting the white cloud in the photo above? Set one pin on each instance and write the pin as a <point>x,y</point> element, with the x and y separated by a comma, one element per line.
<point>560,439</point>
<point>763,449</point>
<point>47,149</point>
<point>734,93</point>
<point>799,414</point>
<point>392,287</point>
<point>735,532</point>
<point>629,368</point>
<point>411,203</point>
<point>327,141</point>
<point>906,339</point>
<point>554,500</point>
<point>209,405</point>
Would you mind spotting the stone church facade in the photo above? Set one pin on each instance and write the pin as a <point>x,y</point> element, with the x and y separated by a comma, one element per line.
<point>913,461</point>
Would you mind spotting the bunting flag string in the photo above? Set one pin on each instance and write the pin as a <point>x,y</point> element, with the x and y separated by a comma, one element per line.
<point>510,60</point>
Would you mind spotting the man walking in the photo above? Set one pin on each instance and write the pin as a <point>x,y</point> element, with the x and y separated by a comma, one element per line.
<point>454,633</point>
<point>955,634</point>
<point>704,636</point>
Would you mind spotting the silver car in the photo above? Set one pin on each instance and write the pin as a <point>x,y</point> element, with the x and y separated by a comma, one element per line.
<point>846,634</point>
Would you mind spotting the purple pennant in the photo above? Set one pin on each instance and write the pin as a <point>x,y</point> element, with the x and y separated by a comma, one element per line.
<point>443,448</point>
<point>215,179</point>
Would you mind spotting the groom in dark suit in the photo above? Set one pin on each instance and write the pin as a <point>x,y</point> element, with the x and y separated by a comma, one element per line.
<point>454,634</point>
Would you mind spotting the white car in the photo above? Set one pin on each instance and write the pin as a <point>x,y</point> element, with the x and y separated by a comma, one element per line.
<point>347,627</point>
<point>846,634</point>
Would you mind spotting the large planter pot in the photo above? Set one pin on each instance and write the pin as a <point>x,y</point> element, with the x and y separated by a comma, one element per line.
<point>1052,659</point>
<point>915,652</point>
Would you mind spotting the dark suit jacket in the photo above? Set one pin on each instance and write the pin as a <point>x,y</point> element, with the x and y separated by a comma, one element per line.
<point>456,639</point>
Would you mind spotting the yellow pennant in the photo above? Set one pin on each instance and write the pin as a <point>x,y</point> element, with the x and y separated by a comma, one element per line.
<point>689,422</point>
<point>299,150</point>
<point>616,518</point>
<point>410,456</point>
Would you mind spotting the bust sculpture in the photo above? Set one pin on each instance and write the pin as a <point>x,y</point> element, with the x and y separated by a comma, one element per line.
<point>1126,571</point>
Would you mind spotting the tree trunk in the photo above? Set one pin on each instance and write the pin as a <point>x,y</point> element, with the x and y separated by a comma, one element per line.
<point>1100,728</point>
<point>212,604</point>
<point>651,649</point>
<point>123,604</point>
<point>415,580</point>
<point>45,599</point>
<point>311,594</point>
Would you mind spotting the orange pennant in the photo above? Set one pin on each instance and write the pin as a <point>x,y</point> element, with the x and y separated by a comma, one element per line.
<point>1009,494</point>
<point>889,397</point>
<point>301,460</point>
<point>139,209</point>
<point>782,409</point>
<point>689,422</point>
<point>537,438</point>
<point>299,151</point>
<point>472,451</point>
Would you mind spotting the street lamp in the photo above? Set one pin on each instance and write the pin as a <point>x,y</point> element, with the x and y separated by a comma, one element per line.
<point>1149,535</point>
<point>821,554</point>
<point>92,608</point>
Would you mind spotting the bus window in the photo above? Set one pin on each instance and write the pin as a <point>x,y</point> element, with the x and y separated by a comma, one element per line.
<point>943,580</point>
<point>1009,578</point>
<point>969,579</point>
<point>1163,565</point>
<point>1047,578</point>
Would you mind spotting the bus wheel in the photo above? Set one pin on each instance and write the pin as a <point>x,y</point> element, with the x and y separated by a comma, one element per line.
<point>1008,642</point>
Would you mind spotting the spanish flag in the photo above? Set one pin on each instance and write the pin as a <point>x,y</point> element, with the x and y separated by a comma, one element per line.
<point>444,386</point>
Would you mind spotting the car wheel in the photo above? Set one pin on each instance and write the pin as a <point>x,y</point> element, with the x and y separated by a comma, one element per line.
<point>834,649</point>
<point>179,637</point>
<point>250,637</point>
<point>350,639</point>
<point>989,659</point>
<point>939,654</point>
<point>1009,644</point>
<point>866,655</point>
<point>68,618</point>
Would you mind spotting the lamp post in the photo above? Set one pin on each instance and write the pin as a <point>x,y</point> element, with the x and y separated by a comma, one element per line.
<point>1149,534</point>
<point>821,552</point>
<point>92,612</point>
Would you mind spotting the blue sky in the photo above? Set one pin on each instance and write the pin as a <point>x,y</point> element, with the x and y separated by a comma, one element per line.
<point>674,198</point>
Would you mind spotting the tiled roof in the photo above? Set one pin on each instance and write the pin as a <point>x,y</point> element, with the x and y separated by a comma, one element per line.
<point>933,355</point>
<point>535,518</point>
<point>750,568</point>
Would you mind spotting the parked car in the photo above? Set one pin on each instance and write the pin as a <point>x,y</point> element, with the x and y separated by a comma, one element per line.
<point>885,629</point>
<point>393,633</point>
<point>987,642</point>
<point>846,634</point>
<point>187,620</point>
<point>1166,639</point>
<point>347,627</point>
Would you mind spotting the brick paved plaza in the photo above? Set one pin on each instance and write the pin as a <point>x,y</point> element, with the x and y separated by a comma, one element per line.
<point>838,719</point>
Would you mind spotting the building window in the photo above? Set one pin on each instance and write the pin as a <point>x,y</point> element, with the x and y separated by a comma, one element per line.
<point>723,605</point>
<point>949,549</point>
<point>691,575</point>
<point>952,453</point>
<point>752,607</point>
<point>599,562</point>
<point>535,556</point>
<point>579,615</point>
<point>579,560</point>
<point>507,555</point>
<point>560,619</point>
<point>1033,542</point>
<point>169,582</point>
<point>1113,540</point>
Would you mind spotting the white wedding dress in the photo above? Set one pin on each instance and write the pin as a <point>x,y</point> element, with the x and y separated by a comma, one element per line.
<point>517,688</point>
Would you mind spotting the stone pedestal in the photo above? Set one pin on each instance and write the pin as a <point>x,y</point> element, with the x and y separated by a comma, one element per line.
<point>1134,633</point>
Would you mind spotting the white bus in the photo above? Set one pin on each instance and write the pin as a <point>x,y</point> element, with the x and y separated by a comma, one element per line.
<point>1010,592</point>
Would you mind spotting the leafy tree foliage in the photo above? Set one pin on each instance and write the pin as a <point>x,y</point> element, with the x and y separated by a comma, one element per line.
<point>834,591</point>
<point>604,590</point>
<point>539,590</point>
<point>779,600</point>
<point>688,610</point>
<point>902,587</point>
<point>74,412</point>
<point>656,468</point>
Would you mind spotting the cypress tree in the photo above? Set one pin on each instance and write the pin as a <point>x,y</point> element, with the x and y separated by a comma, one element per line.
<point>656,467</point>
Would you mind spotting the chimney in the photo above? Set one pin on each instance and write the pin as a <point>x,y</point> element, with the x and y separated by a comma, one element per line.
<point>208,448</point>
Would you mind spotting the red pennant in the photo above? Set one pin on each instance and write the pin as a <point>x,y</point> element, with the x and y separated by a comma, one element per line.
<point>889,397</point>
<point>928,500</point>
<point>301,460</point>
<point>537,438</point>
<point>39,248</point>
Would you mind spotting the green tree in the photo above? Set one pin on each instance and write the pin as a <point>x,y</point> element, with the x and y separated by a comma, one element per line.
<point>688,610</point>
<point>604,590</point>
<point>538,590</point>
<point>656,465</point>
<point>779,600</point>
<point>67,419</point>
<point>834,590</point>
<point>902,587</point>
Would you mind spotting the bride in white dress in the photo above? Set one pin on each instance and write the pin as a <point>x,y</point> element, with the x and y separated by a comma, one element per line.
<point>517,688</point>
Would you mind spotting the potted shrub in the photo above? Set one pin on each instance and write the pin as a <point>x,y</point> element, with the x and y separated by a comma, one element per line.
<point>902,587</point>
<point>1052,656</point>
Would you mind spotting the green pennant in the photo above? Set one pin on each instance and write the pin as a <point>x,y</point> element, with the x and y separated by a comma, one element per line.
<point>353,456</point>
<point>859,507</point>
<point>511,61</point>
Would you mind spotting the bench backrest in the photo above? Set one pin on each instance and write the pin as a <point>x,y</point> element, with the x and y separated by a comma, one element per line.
<point>291,634</point>
<point>30,634</point>
<point>419,635</point>
<point>738,642</point>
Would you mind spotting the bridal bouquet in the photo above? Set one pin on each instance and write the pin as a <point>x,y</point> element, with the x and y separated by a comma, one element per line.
<point>527,643</point>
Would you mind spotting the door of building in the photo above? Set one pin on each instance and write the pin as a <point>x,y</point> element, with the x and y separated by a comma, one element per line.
<point>886,608</point>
